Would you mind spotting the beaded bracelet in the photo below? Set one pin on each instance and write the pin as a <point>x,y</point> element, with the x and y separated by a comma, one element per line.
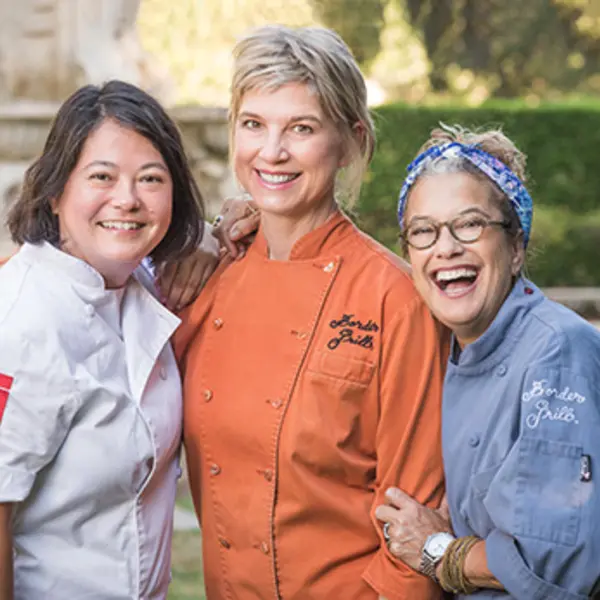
<point>452,577</point>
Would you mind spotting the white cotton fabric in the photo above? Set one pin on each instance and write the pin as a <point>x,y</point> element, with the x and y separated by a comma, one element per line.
<point>90,435</point>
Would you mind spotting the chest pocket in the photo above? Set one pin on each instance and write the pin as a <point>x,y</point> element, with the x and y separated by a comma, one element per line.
<point>330,426</point>
<point>549,492</point>
<point>343,369</point>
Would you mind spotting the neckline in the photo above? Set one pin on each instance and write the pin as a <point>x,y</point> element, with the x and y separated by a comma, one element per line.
<point>312,244</point>
<point>498,340</point>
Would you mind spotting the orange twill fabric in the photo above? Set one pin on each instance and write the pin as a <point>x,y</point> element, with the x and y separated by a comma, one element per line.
<point>310,387</point>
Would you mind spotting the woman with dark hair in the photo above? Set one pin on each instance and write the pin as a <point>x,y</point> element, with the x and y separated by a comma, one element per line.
<point>90,394</point>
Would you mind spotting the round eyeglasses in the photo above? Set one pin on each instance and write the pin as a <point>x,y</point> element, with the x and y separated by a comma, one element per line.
<point>423,234</point>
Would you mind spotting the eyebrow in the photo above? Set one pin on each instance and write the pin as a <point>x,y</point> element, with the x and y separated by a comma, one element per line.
<point>107,163</point>
<point>465,211</point>
<point>294,119</point>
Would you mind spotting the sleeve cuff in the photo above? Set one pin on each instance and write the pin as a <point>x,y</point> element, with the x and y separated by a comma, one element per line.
<point>508,567</point>
<point>396,581</point>
<point>15,485</point>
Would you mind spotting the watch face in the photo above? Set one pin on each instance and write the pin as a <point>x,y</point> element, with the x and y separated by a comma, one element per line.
<point>437,547</point>
<point>437,544</point>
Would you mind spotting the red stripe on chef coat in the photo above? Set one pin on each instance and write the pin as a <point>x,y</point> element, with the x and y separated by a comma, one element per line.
<point>5,384</point>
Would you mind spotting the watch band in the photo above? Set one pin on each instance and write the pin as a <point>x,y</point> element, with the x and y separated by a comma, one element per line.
<point>429,560</point>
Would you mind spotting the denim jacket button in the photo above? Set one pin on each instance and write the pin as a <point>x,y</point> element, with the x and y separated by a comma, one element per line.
<point>474,440</point>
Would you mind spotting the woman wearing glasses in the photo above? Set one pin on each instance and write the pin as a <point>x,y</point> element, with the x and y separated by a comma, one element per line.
<point>520,415</point>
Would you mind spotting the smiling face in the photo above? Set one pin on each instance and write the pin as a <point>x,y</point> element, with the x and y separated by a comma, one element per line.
<point>117,204</point>
<point>287,152</point>
<point>464,285</point>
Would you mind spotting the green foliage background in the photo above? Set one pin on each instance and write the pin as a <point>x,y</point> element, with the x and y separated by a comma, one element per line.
<point>434,52</point>
<point>562,144</point>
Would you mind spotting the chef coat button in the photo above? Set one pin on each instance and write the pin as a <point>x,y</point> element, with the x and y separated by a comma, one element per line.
<point>218,323</point>
<point>301,335</point>
<point>329,267</point>
<point>501,371</point>
<point>277,403</point>
<point>268,474</point>
<point>215,469</point>
<point>264,548</point>
<point>224,543</point>
<point>90,311</point>
<point>474,440</point>
<point>162,373</point>
<point>207,395</point>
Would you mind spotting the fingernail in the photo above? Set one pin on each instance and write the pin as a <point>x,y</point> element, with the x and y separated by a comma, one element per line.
<point>234,232</point>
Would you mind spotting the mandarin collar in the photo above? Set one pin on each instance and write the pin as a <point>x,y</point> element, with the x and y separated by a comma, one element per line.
<point>498,340</point>
<point>86,281</point>
<point>321,239</point>
<point>64,264</point>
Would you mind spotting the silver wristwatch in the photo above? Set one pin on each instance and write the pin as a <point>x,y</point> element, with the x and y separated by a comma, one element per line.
<point>434,548</point>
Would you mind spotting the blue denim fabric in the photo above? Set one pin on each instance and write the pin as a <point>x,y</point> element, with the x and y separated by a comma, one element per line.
<point>521,408</point>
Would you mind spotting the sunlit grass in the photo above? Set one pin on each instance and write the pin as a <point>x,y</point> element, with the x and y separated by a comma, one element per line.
<point>188,582</point>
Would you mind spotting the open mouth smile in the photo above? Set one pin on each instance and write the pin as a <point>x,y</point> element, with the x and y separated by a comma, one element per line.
<point>121,225</point>
<point>456,281</point>
<point>277,178</point>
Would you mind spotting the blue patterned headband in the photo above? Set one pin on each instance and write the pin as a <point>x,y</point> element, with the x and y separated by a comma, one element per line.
<point>495,169</point>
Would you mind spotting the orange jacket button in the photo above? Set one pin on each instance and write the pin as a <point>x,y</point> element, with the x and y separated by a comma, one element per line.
<point>264,547</point>
<point>215,469</point>
<point>224,543</point>
<point>208,395</point>
<point>268,474</point>
<point>218,323</point>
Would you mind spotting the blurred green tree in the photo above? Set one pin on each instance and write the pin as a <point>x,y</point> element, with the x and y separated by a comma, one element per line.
<point>359,22</point>
<point>519,47</point>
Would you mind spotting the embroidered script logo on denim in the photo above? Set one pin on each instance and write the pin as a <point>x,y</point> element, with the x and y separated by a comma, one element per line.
<point>542,410</point>
<point>347,334</point>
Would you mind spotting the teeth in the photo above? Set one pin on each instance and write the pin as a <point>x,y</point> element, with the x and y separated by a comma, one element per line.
<point>455,274</point>
<point>125,225</point>
<point>276,178</point>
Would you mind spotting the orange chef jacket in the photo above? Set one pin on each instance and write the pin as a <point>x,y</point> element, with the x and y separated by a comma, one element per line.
<point>310,387</point>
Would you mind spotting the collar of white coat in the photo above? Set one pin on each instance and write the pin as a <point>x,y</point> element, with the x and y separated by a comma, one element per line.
<point>89,284</point>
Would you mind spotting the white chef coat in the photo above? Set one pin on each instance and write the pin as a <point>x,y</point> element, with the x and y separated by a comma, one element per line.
<point>90,431</point>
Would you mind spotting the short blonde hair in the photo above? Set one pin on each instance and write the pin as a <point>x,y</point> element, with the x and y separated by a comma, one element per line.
<point>272,56</point>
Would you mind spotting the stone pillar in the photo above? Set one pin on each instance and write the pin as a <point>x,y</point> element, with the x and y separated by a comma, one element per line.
<point>49,48</point>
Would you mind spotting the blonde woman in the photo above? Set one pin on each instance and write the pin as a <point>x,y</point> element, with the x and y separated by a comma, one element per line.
<point>313,370</point>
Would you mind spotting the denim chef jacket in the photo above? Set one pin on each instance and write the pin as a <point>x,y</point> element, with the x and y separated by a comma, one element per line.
<point>89,432</point>
<point>521,431</point>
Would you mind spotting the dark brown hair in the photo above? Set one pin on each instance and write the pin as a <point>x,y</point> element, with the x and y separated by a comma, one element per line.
<point>31,218</point>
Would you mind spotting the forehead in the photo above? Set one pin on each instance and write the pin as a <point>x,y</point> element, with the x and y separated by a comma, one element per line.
<point>440,196</point>
<point>289,100</point>
<point>111,140</point>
